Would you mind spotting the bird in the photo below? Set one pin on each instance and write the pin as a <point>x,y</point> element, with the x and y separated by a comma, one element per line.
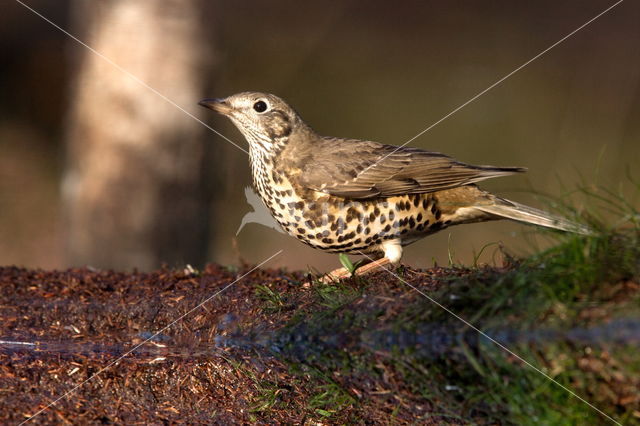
<point>362,197</point>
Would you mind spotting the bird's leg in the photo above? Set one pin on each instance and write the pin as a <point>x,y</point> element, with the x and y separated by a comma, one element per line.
<point>392,254</point>
<point>372,266</point>
<point>341,273</point>
<point>335,275</point>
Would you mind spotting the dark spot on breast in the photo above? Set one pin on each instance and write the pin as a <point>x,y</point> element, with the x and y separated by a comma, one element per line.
<point>367,231</point>
<point>276,178</point>
<point>412,222</point>
<point>309,224</point>
<point>300,230</point>
<point>311,237</point>
<point>391,215</point>
<point>382,219</point>
<point>387,228</point>
<point>359,229</point>
<point>434,208</point>
<point>325,233</point>
<point>438,215</point>
<point>372,217</point>
<point>419,217</point>
<point>327,240</point>
<point>416,201</point>
<point>447,222</point>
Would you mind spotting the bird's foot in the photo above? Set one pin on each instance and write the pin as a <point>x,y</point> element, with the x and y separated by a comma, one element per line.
<point>335,275</point>
<point>342,273</point>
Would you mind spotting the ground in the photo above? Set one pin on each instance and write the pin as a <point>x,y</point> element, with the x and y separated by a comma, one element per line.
<point>279,346</point>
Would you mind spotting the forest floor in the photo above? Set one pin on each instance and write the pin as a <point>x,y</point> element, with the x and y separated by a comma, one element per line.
<point>226,345</point>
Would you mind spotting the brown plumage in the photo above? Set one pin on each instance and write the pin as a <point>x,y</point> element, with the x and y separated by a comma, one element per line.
<point>378,170</point>
<point>353,196</point>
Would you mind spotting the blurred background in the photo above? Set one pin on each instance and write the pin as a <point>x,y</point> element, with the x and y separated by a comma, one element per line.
<point>98,169</point>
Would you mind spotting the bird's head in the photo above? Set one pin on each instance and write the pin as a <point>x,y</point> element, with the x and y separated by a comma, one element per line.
<point>265,120</point>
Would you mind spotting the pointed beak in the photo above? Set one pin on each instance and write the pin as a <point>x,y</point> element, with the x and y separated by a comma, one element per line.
<point>218,105</point>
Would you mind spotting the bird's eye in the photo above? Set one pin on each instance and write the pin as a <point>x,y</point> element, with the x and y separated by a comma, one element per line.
<point>260,106</point>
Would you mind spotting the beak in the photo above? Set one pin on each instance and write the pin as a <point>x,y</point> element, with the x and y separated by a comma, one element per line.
<point>218,105</point>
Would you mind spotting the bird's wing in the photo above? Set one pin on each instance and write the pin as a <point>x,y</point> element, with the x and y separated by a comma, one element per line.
<point>360,170</point>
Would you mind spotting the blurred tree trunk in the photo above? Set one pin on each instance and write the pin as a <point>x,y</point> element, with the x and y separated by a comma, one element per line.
<point>135,189</point>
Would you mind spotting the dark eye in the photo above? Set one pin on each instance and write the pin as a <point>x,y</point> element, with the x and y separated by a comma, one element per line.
<point>260,106</point>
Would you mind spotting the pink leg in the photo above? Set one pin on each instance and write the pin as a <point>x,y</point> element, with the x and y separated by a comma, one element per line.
<point>342,273</point>
<point>376,265</point>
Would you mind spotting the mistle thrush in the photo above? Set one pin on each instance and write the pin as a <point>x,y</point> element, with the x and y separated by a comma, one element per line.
<point>353,196</point>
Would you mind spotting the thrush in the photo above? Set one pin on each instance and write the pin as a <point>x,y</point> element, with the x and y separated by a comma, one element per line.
<point>361,197</point>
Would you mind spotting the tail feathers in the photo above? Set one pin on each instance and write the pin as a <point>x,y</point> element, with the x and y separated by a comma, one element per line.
<point>521,213</point>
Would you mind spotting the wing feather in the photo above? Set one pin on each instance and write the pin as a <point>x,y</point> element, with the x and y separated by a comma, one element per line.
<point>361,170</point>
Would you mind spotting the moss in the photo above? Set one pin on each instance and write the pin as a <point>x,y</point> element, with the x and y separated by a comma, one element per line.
<point>273,301</point>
